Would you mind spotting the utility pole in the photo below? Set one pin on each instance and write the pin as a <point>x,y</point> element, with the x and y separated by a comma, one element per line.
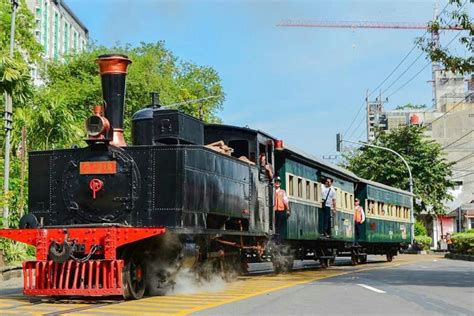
<point>8,120</point>
<point>367,109</point>
<point>339,141</point>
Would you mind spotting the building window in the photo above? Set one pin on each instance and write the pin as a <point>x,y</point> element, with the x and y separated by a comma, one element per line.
<point>56,35</point>
<point>75,41</point>
<point>66,38</point>
<point>45,28</point>
<point>308,190</point>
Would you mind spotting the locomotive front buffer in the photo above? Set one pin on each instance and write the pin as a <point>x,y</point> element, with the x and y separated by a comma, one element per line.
<point>82,261</point>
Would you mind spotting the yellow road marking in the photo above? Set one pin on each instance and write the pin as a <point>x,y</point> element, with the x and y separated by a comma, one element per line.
<point>185,304</point>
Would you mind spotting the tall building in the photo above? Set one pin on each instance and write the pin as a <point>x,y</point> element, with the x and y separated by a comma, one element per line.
<point>448,89</point>
<point>450,123</point>
<point>58,29</point>
<point>376,119</point>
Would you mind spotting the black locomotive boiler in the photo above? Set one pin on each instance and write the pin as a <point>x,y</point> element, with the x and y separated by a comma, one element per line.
<point>121,219</point>
<point>92,210</point>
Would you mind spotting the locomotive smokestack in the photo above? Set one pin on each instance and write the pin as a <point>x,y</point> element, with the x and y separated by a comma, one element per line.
<point>113,70</point>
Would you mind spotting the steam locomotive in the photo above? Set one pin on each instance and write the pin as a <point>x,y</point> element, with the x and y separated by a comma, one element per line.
<point>113,219</point>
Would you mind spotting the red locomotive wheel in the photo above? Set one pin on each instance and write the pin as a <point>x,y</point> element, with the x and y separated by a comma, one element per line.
<point>134,277</point>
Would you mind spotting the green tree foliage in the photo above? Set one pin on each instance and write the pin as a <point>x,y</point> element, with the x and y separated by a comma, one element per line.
<point>420,229</point>
<point>74,87</point>
<point>430,169</point>
<point>410,106</point>
<point>459,16</point>
<point>15,79</point>
<point>15,72</point>
<point>54,113</point>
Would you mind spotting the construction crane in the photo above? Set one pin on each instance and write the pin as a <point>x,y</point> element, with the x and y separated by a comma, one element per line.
<point>369,25</point>
<point>362,24</point>
<point>376,25</point>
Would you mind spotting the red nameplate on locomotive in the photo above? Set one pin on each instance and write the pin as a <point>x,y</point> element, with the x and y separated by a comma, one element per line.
<point>98,167</point>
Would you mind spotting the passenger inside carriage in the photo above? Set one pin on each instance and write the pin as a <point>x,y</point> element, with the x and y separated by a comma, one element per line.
<point>265,169</point>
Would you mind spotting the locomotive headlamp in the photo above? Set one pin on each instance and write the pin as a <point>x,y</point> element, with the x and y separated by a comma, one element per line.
<point>97,126</point>
<point>278,144</point>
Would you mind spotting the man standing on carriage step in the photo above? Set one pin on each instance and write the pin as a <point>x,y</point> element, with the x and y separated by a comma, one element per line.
<point>280,207</point>
<point>329,206</point>
<point>359,218</point>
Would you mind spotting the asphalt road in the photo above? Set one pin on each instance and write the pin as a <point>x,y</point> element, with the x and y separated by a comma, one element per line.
<point>410,285</point>
<point>436,287</point>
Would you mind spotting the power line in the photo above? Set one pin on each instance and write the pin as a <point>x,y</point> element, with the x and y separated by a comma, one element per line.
<point>357,128</point>
<point>393,71</point>
<point>464,158</point>
<point>355,118</point>
<point>449,111</point>
<point>455,141</point>
<point>424,67</point>
<point>406,56</point>
<point>416,75</point>
<point>404,72</point>
<point>464,175</point>
<point>409,80</point>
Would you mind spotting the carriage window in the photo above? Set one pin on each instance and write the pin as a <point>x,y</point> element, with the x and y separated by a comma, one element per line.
<point>308,190</point>
<point>371,207</point>
<point>291,186</point>
<point>315,192</point>
<point>300,187</point>
<point>338,198</point>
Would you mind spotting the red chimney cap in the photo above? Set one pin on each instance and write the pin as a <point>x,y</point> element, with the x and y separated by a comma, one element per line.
<point>113,64</point>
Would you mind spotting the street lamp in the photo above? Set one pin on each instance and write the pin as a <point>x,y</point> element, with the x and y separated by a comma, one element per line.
<point>339,142</point>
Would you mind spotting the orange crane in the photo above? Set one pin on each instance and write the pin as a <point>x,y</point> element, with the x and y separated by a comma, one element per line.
<point>375,25</point>
<point>362,24</point>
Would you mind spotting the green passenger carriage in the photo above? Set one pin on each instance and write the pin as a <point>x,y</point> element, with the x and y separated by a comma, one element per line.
<point>387,227</point>
<point>388,220</point>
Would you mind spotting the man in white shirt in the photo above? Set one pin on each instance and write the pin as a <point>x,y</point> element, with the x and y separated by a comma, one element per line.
<point>329,204</point>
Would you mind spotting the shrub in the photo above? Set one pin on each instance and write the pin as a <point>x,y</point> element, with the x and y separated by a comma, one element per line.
<point>423,241</point>
<point>420,229</point>
<point>13,252</point>
<point>463,243</point>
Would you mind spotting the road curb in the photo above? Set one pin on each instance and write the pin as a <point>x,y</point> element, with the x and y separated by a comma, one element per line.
<point>457,256</point>
<point>7,273</point>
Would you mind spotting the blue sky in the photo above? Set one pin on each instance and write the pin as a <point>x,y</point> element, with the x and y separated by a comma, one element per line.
<point>300,85</point>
